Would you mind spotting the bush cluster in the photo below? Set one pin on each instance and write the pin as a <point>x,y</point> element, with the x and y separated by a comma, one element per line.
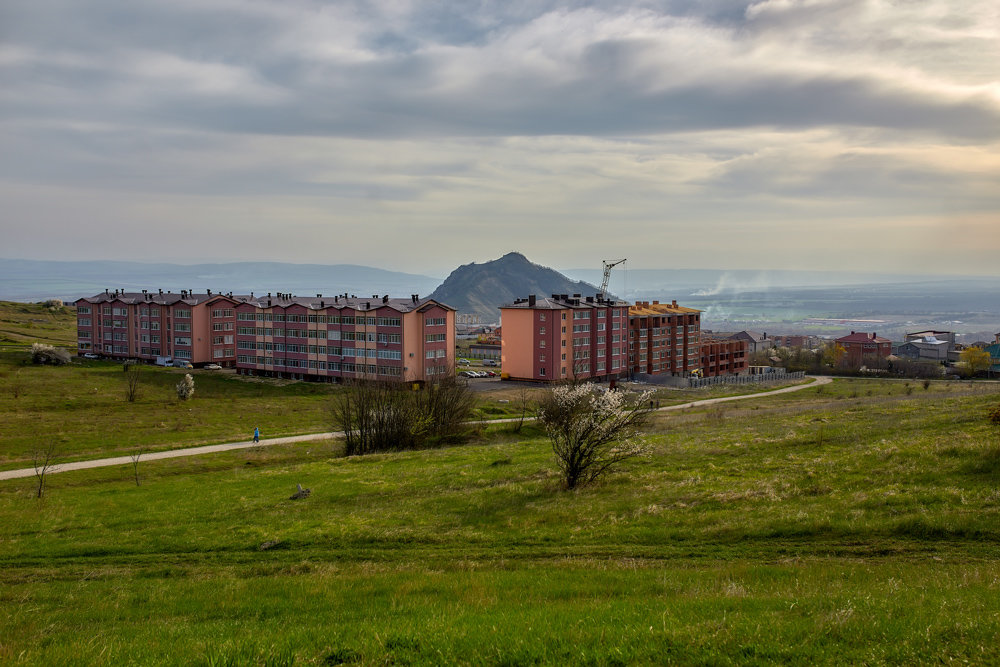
<point>381,416</point>
<point>48,354</point>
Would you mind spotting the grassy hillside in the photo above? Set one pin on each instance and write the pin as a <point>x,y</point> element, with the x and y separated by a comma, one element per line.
<point>853,523</point>
<point>22,324</point>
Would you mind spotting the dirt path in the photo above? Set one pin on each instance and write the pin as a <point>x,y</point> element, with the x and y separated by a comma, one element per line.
<point>225,447</point>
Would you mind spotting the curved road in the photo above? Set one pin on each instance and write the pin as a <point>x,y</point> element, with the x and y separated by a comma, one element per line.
<point>247,444</point>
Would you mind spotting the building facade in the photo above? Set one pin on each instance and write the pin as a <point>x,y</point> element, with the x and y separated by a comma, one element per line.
<point>664,338</point>
<point>859,345</point>
<point>145,325</point>
<point>280,335</point>
<point>564,337</point>
<point>721,356</point>
<point>345,337</point>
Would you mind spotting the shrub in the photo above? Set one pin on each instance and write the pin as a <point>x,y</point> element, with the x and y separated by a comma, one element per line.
<point>995,416</point>
<point>380,416</point>
<point>48,354</point>
<point>185,388</point>
<point>591,433</point>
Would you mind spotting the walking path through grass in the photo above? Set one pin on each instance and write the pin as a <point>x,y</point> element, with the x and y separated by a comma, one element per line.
<point>247,444</point>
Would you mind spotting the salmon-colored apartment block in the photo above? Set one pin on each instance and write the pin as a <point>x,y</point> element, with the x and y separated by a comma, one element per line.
<point>321,338</point>
<point>343,337</point>
<point>199,328</point>
<point>564,337</point>
<point>664,338</point>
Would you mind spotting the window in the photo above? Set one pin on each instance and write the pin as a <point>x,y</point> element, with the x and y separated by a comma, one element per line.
<point>541,331</point>
<point>541,343</point>
<point>182,327</point>
<point>434,322</point>
<point>182,340</point>
<point>83,310</point>
<point>389,321</point>
<point>182,313</point>
<point>435,338</point>
<point>541,317</point>
<point>541,358</point>
<point>83,322</point>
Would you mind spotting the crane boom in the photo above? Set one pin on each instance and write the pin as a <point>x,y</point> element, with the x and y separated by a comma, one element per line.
<point>608,265</point>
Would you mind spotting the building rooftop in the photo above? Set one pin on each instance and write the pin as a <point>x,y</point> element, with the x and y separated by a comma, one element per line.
<point>863,337</point>
<point>562,301</point>
<point>277,300</point>
<point>656,308</point>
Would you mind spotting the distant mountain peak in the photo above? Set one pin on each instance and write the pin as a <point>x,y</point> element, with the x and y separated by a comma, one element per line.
<point>481,289</point>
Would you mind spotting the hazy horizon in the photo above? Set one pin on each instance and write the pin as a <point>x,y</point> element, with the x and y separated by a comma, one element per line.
<point>788,134</point>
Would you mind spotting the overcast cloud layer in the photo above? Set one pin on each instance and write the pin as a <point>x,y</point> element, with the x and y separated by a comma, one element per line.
<point>854,134</point>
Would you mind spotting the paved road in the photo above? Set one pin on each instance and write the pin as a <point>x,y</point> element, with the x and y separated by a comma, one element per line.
<point>211,449</point>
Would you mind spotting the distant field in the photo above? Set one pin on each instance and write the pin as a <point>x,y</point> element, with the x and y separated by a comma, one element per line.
<point>22,324</point>
<point>857,523</point>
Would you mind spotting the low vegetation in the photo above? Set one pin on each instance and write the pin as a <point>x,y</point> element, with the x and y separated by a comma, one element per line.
<point>852,523</point>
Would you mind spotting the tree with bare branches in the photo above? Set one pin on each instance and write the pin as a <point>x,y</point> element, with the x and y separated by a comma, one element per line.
<point>133,372</point>
<point>134,456</point>
<point>44,458</point>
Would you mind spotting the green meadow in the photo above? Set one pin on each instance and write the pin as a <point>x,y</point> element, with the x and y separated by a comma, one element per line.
<point>853,523</point>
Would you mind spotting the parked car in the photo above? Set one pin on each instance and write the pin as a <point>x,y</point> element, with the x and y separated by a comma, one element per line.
<point>491,374</point>
<point>91,355</point>
<point>181,363</point>
<point>212,367</point>
<point>490,362</point>
<point>464,362</point>
<point>467,374</point>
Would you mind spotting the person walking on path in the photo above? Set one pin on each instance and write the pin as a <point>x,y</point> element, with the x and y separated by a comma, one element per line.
<point>256,434</point>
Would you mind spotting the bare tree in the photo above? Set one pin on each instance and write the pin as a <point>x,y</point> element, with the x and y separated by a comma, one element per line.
<point>44,459</point>
<point>133,371</point>
<point>381,415</point>
<point>592,432</point>
<point>135,464</point>
<point>17,385</point>
<point>522,404</point>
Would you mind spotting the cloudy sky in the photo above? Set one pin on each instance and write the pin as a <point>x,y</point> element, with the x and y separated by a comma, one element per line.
<point>826,134</point>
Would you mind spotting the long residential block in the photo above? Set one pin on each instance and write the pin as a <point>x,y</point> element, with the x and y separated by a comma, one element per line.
<point>321,338</point>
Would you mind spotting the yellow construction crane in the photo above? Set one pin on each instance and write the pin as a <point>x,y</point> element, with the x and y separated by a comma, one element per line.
<point>608,265</point>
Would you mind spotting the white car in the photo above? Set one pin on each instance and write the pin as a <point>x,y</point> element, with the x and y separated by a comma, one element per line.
<point>212,367</point>
<point>91,355</point>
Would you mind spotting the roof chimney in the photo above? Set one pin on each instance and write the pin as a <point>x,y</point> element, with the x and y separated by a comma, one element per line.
<point>531,300</point>
<point>385,299</point>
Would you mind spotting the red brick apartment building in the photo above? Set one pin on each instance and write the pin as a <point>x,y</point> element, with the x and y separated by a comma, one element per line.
<point>199,328</point>
<point>861,344</point>
<point>723,356</point>
<point>664,338</point>
<point>564,337</point>
<point>318,338</point>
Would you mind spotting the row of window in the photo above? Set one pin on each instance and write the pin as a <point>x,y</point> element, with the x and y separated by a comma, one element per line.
<point>322,319</point>
<point>316,364</point>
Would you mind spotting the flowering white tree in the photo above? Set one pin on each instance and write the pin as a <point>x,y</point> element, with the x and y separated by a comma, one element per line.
<point>185,388</point>
<point>591,432</point>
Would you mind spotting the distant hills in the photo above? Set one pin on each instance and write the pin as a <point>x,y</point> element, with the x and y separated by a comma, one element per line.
<point>33,280</point>
<point>482,288</point>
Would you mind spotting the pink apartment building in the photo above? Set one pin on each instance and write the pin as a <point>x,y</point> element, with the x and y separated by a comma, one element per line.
<point>564,337</point>
<point>321,338</point>
<point>199,328</point>
<point>333,338</point>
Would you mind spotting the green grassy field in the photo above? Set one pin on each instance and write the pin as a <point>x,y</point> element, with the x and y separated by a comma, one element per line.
<point>853,523</point>
<point>22,324</point>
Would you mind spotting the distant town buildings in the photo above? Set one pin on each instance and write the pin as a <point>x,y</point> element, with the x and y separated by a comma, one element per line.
<point>280,335</point>
<point>859,345</point>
